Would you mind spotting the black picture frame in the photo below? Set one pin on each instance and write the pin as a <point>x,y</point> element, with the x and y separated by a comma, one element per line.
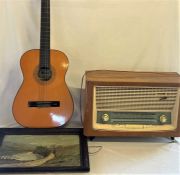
<point>82,156</point>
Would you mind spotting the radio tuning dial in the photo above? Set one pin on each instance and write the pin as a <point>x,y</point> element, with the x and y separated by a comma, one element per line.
<point>105,117</point>
<point>163,118</point>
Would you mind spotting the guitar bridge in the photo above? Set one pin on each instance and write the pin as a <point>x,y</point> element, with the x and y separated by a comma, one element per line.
<point>43,104</point>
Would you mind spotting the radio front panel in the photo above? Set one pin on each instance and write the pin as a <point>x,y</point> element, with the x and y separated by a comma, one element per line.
<point>127,108</point>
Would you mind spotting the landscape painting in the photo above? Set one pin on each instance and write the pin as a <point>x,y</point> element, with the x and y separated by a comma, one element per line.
<point>40,151</point>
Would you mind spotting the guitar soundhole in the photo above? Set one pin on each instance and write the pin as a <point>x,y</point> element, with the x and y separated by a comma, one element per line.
<point>44,74</point>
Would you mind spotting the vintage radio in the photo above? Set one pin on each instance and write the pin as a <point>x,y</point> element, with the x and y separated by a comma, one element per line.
<point>132,104</point>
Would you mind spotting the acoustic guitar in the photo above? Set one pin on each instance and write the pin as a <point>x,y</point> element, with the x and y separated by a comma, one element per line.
<point>43,100</point>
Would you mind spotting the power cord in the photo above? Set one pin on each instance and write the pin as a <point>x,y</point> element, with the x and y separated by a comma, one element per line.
<point>99,148</point>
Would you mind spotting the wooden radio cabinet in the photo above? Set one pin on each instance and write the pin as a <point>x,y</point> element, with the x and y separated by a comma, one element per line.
<point>132,104</point>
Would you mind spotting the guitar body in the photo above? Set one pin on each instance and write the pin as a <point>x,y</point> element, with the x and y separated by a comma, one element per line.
<point>43,104</point>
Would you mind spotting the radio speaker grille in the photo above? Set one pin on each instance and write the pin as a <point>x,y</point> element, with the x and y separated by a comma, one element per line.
<point>128,98</point>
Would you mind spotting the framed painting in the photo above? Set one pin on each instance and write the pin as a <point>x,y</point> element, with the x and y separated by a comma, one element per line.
<point>43,150</point>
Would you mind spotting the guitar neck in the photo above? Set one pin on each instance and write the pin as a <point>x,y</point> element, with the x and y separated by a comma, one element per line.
<point>45,34</point>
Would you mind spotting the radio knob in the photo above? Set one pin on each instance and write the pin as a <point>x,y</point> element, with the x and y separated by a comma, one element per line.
<point>105,117</point>
<point>163,118</point>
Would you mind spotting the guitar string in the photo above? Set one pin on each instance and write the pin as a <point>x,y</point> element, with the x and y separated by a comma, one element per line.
<point>46,51</point>
<point>46,47</point>
<point>43,50</point>
<point>40,57</point>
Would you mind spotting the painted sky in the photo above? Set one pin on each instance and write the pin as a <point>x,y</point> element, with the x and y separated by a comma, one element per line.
<point>47,140</point>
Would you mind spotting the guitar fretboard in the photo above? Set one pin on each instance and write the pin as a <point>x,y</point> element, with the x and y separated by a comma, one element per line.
<point>45,34</point>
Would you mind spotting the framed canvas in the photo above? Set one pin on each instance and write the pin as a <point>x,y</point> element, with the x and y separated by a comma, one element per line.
<point>43,150</point>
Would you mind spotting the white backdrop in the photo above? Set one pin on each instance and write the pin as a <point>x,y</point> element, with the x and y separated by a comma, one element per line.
<point>137,35</point>
<point>95,34</point>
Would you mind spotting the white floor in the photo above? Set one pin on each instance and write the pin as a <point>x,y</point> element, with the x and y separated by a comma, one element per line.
<point>152,156</point>
<point>133,156</point>
<point>136,156</point>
